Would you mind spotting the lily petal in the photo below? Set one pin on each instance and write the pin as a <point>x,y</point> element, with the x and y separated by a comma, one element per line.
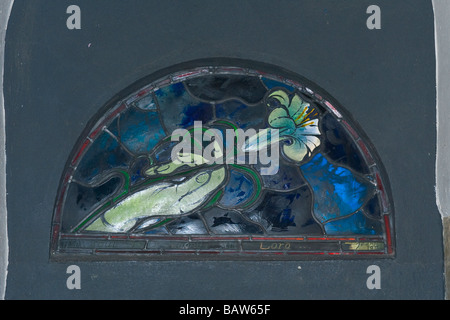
<point>294,120</point>
<point>280,119</point>
<point>309,128</point>
<point>297,151</point>
<point>281,96</point>
<point>311,142</point>
<point>298,109</point>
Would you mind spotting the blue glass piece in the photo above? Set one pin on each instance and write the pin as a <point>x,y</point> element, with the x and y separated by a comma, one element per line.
<point>104,154</point>
<point>337,191</point>
<point>287,212</point>
<point>137,169</point>
<point>201,112</point>
<point>287,178</point>
<point>339,147</point>
<point>140,131</point>
<point>270,84</point>
<point>242,115</point>
<point>179,109</point>
<point>372,208</point>
<point>164,152</point>
<point>83,199</point>
<point>357,223</point>
<point>238,190</point>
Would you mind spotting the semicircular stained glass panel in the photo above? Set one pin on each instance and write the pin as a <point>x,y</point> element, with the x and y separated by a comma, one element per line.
<point>223,162</point>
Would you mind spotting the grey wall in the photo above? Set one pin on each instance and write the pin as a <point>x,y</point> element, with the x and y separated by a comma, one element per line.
<point>442,18</point>
<point>5,9</point>
<point>442,29</point>
<point>56,79</point>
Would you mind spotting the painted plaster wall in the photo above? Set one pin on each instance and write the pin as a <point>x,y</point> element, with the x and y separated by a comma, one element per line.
<point>442,21</point>
<point>5,9</point>
<point>442,29</point>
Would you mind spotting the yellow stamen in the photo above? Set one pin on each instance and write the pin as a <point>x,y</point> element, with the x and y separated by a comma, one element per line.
<point>306,116</point>
<point>301,114</point>
<point>307,124</point>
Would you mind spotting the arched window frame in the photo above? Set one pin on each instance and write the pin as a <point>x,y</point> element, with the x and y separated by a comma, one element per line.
<point>82,246</point>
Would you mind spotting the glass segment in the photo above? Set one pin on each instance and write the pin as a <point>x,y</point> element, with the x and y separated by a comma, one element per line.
<point>223,162</point>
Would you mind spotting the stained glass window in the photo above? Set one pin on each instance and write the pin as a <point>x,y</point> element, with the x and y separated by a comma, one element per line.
<point>223,162</point>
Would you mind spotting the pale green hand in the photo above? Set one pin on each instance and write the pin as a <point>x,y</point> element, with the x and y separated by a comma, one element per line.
<point>162,199</point>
